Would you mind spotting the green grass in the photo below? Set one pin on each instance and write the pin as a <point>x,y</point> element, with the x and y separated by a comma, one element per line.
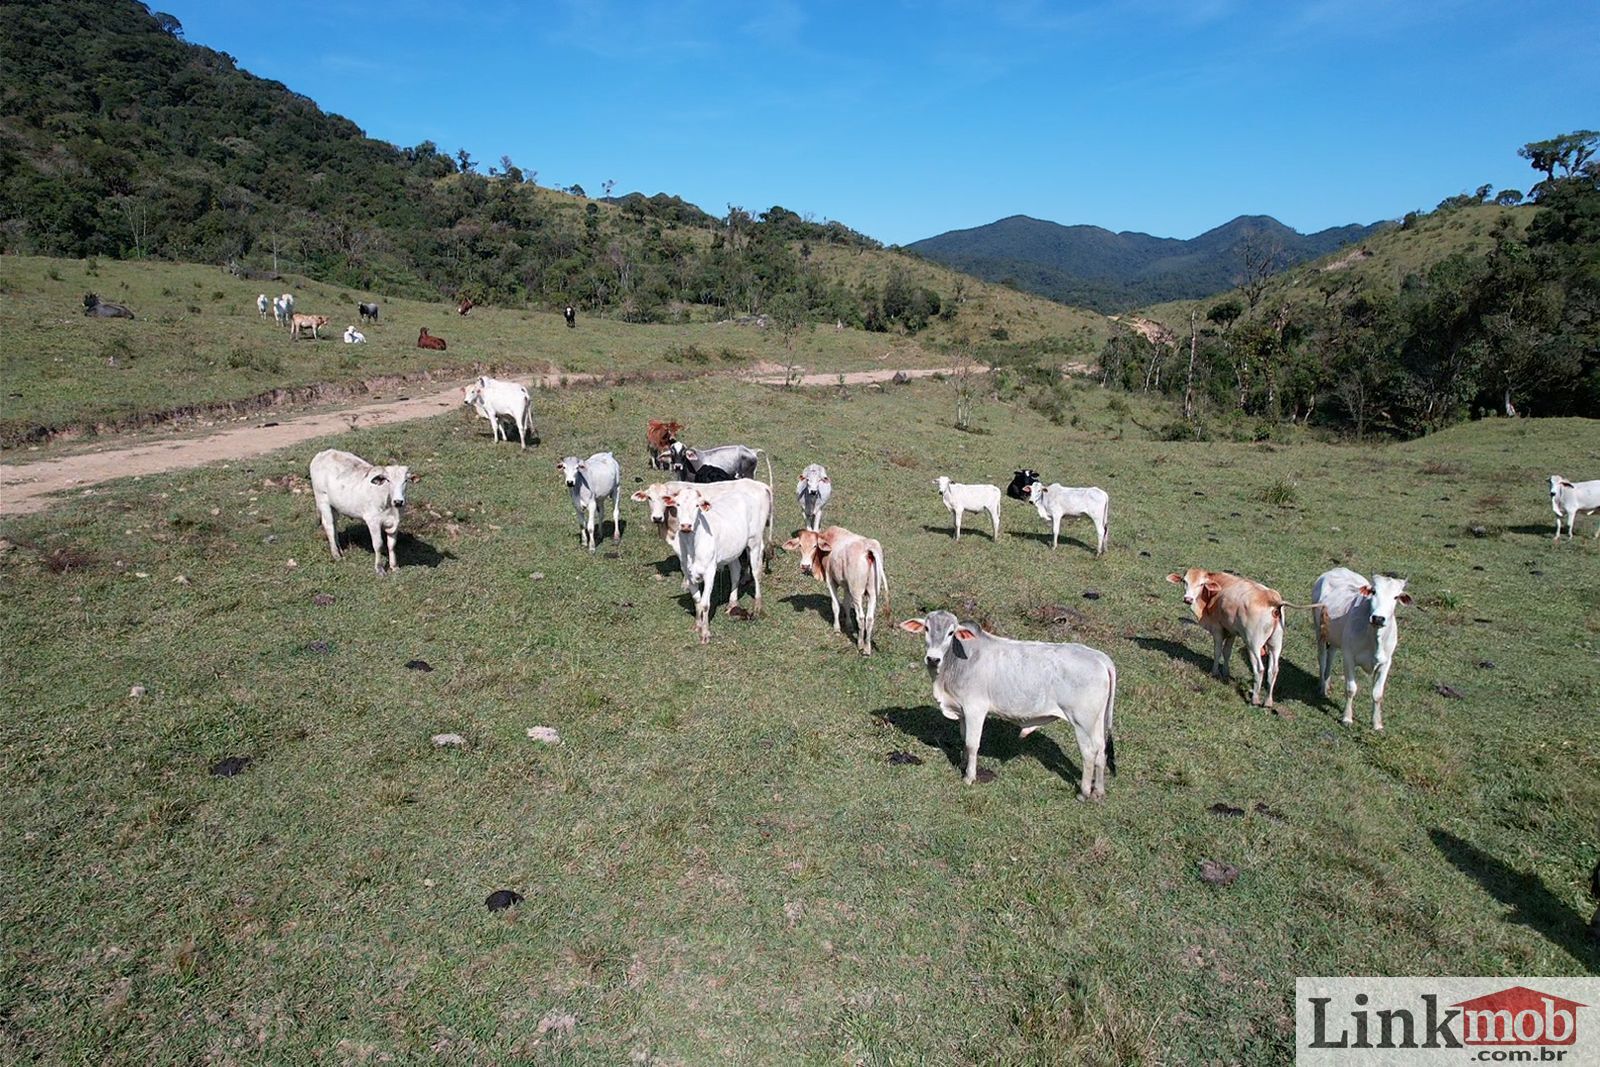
<point>718,861</point>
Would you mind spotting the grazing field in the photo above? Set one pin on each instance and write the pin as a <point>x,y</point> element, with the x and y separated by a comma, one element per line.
<point>719,862</point>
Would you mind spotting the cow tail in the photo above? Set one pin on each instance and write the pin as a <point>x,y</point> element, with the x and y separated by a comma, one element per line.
<point>882,579</point>
<point>1111,705</point>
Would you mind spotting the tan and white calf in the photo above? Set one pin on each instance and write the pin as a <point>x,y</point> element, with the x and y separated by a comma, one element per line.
<point>298,324</point>
<point>1356,618</point>
<point>847,562</point>
<point>1227,607</point>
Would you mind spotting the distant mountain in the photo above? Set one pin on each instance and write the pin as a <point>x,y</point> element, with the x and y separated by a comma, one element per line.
<point>1093,267</point>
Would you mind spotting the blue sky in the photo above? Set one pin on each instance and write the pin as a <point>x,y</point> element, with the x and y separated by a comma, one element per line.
<point>904,120</point>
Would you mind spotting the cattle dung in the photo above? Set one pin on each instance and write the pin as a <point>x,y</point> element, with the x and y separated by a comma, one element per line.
<point>501,899</point>
<point>1215,872</point>
<point>227,768</point>
<point>1219,808</point>
<point>419,665</point>
<point>899,757</point>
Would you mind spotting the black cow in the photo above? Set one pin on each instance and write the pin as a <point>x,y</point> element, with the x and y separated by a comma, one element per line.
<point>367,311</point>
<point>101,309</point>
<point>572,317</point>
<point>1018,489</point>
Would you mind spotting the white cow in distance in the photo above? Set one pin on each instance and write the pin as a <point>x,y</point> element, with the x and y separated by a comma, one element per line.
<point>1057,501</point>
<point>495,399</point>
<point>1572,499</point>
<point>262,303</point>
<point>812,492</point>
<point>345,483</point>
<point>959,499</point>
<point>1357,618</point>
<point>590,482</point>
<point>353,336</point>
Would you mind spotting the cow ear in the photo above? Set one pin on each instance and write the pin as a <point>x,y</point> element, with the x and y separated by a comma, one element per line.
<point>379,479</point>
<point>1366,590</point>
<point>1175,579</point>
<point>641,496</point>
<point>966,633</point>
<point>826,480</point>
<point>915,626</point>
<point>791,545</point>
<point>1404,598</point>
<point>1567,485</point>
<point>1212,587</point>
<point>824,546</point>
<point>705,505</point>
<point>413,479</point>
<point>670,501</point>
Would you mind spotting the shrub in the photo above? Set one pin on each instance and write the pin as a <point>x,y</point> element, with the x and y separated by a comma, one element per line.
<point>1280,494</point>
<point>265,362</point>
<point>689,353</point>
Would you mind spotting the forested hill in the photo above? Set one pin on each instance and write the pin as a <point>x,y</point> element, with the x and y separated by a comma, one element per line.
<point>119,138</point>
<point>1092,267</point>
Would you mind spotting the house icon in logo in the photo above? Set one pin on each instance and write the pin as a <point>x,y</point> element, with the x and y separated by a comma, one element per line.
<point>1519,1016</point>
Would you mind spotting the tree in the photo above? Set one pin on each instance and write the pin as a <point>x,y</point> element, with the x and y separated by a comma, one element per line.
<point>168,24</point>
<point>1569,152</point>
<point>466,162</point>
<point>1508,197</point>
<point>608,185</point>
<point>1260,256</point>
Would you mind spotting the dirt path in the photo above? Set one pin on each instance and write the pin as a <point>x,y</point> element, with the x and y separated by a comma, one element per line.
<point>30,487</point>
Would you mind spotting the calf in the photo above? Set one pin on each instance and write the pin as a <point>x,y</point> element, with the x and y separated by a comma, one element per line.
<point>351,486</point>
<point>427,340</point>
<point>465,306</point>
<point>1031,683</point>
<point>665,515</point>
<point>1056,502</point>
<point>849,562</point>
<point>812,492</point>
<point>298,324</point>
<point>96,308</point>
<point>960,499</point>
<point>1228,606</point>
<point>590,482</point>
<point>353,336</point>
<point>1020,480</point>
<point>495,399</point>
<point>1572,499</point>
<point>368,312</point>
<point>571,314</point>
<point>1358,619</point>
<point>262,303</point>
<point>659,436</point>
<point>716,534</point>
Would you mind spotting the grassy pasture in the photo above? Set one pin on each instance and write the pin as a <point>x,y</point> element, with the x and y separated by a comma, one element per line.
<point>719,862</point>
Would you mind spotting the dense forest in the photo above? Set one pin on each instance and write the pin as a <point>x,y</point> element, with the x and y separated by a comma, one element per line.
<point>118,138</point>
<point>1514,331</point>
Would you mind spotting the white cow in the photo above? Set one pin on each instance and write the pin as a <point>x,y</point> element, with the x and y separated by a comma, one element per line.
<point>1057,501</point>
<point>665,515</point>
<point>590,482</point>
<point>1573,499</point>
<point>262,303</point>
<point>1031,683</point>
<point>347,484</point>
<point>353,336</point>
<point>288,304</point>
<point>960,498</point>
<point>812,492</point>
<point>495,399</point>
<point>279,312</point>
<point>715,535</point>
<point>1358,619</point>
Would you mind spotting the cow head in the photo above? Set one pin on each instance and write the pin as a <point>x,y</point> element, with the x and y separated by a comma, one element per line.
<point>1558,483</point>
<point>570,468</point>
<point>940,632</point>
<point>1199,588</point>
<point>1033,492</point>
<point>943,484</point>
<point>671,458</point>
<point>689,503</point>
<point>813,548</point>
<point>812,479</point>
<point>394,478</point>
<point>1384,597</point>
<point>473,394</point>
<point>1020,480</point>
<point>654,495</point>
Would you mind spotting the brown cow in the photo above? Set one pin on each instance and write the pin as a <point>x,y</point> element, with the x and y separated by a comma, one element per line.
<point>658,437</point>
<point>427,340</point>
<point>299,322</point>
<point>1228,606</point>
<point>849,562</point>
<point>465,306</point>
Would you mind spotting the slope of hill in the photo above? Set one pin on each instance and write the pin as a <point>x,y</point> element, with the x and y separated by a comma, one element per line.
<point>1096,268</point>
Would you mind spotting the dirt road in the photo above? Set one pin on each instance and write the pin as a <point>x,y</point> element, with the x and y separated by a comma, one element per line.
<point>31,487</point>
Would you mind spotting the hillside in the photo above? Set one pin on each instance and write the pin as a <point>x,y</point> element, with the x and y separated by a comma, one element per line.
<point>1093,267</point>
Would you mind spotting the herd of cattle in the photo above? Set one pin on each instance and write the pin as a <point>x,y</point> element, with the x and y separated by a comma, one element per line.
<point>714,514</point>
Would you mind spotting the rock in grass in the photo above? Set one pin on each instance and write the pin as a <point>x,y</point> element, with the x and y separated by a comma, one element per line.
<point>544,734</point>
<point>1091,594</point>
<point>1219,808</point>
<point>448,740</point>
<point>1215,872</point>
<point>1449,692</point>
<point>1486,664</point>
<point>419,665</point>
<point>318,648</point>
<point>136,692</point>
<point>227,768</point>
<point>501,899</point>
<point>904,759</point>
<point>322,600</point>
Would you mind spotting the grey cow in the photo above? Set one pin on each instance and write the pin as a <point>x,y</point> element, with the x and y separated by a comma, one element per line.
<point>1031,683</point>
<point>812,492</point>
<point>590,482</point>
<point>734,461</point>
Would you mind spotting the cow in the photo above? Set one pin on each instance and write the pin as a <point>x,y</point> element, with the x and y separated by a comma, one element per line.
<point>1056,502</point>
<point>428,341</point>
<point>571,314</point>
<point>495,399</point>
<point>1227,607</point>
<point>465,306</point>
<point>1031,683</point>
<point>298,324</point>
<point>280,314</point>
<point>1020,480</point>
<point>665,516</point>
<point>960,498</point>
<point>353,336</point>
<point>287,300</point>
<point>262,303</point>
<point>659,436</point>
<point>368,312</point>
<point>812,492</point>
<point>1358,619</point>
<point>590,481</point>
<point>96,308</point>
<point>713,535</point>
<point>1570,499</point>
<point>347,484</point>
<point>736,460</point>
<point>847,562</point>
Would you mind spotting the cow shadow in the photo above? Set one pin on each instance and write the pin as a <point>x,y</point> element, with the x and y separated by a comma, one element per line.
<point>1293,681</point>
<point>1546,530</point>
<point>1002,741</point>
<point>409,549</point>
<point>803,603</point>
<point>967,530</point>
<point>1533,905</point>
<point>1044,538</point>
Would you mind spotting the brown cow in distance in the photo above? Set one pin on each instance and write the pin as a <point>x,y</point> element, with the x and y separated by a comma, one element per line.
<point>465,306</point>
<point>427,340</point>
<point>658,437</point>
